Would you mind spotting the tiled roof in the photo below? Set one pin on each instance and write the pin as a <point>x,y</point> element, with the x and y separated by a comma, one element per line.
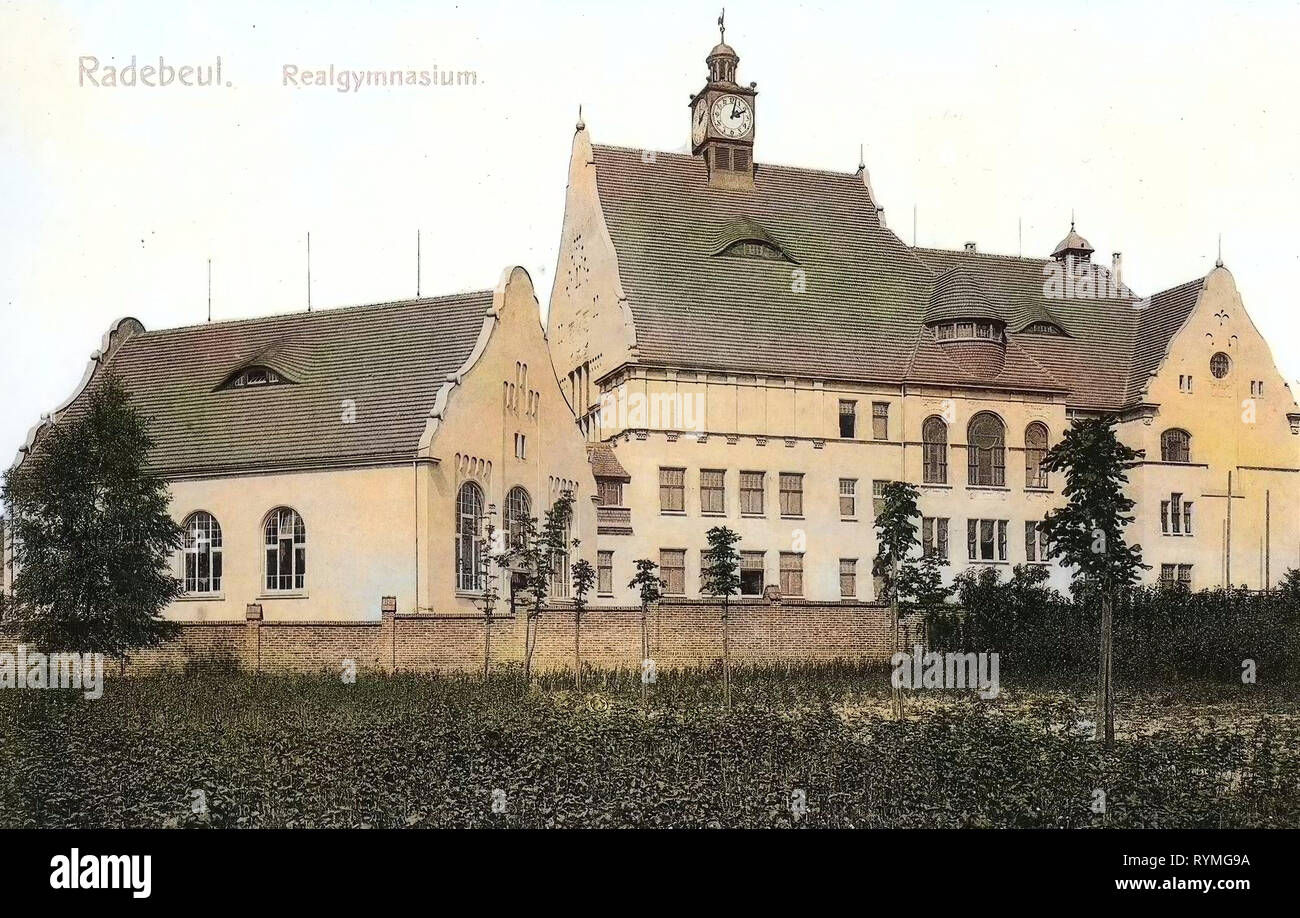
<point>604,464</point>
<point>860,312</point>
<point>1165,314</point>
<point>364,380</point>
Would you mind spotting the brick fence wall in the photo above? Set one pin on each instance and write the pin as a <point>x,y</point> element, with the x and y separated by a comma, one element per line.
<point>681,634</point>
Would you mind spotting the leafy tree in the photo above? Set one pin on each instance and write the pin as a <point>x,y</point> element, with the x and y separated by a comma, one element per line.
<point>1088,532</point>
<point>92,538</point>
<point>489,557</point>
<point>539,552</point>
<point>895,539</point>
<point>584,577</point>
<point>650,588</point>
<point>721,576</point>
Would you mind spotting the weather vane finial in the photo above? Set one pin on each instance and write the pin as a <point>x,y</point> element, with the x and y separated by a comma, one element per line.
<point>722,26</point>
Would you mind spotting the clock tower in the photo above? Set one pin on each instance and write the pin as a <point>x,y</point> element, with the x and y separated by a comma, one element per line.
<point>722,120</point>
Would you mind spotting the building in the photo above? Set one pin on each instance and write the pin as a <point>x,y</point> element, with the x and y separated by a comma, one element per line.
<point>727,342</point>
<point>750,344</point>
<point>321,461</point>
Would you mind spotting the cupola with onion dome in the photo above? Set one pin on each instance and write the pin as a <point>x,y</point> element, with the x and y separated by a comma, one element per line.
<point>966,323</point>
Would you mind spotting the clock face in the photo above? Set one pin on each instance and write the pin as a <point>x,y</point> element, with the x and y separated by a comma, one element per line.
<point>731,116</point>
<point>699,121</point>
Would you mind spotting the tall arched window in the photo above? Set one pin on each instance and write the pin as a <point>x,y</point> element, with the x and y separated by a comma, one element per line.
<point>519,508</point>
<point>1035,453</point>
<point>469,550</point>
<point>1175,446</point>
<point>201,553</point>
<point>286,551</point>
<point>934,450</point>
<point>986,459</point>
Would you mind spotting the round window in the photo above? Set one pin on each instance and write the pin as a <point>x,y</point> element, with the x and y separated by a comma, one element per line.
<point>1220,363</point>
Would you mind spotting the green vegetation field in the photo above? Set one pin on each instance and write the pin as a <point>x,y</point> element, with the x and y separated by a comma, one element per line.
<point>294,751</point>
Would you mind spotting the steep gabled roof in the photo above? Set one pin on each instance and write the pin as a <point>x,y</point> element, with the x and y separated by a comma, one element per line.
<point>364,380</point>
<point>854,307</point>
<point>1161,318</point>
<point>604,464</point>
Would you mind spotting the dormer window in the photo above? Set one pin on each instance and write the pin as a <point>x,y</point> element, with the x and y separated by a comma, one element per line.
<point>254,376</point>
<point>1043,328</point>
<point>756,250</point>
<point>968,331</point>
<point>744,238</point>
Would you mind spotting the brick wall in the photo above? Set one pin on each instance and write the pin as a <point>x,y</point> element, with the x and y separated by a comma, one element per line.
<point>681,634</point>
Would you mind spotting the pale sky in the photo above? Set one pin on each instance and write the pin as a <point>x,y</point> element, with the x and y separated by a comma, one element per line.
<point>1161,125</point>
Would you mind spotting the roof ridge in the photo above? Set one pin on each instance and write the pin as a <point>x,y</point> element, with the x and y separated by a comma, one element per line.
<point>325,311</point>
<point>757,164</point>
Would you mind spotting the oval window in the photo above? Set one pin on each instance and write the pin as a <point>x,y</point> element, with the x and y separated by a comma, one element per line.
<point>1220,363</point>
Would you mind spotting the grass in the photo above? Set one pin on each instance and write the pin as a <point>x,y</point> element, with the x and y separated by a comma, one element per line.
<point>419,751</point>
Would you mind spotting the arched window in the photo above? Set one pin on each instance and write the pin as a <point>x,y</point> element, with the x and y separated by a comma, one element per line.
<point>1175,446</point>
<point>934,450</point>
<point>201,553</point>
<point>986,459</point>
<point>469,550</point>
<point>519,508</point>
<point>1035,453</point>
<point>286,551</point>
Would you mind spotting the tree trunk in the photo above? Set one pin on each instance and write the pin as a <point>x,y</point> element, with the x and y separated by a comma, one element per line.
<point>897,634</point>
<point>577,650</point>
<point>1105,686</point>
<point>726,654</point>
<point>530,637</point>
<point>487,645</point>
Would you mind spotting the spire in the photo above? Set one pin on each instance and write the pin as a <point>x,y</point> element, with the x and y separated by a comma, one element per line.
<point>862,160</point>
<point>581,125</point>
<point>722,27</point>
<point>722,60</point>
<point>1218,261</point>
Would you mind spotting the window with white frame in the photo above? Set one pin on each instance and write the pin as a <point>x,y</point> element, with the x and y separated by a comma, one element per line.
<point>286,551</point>
<point>1035,542</point>
<point>934,450</point>
<point>791,494</point>
<point>934,537</point>
<point>1035,453</point>
<point>672,568</point>
<point>848,578</point>
<point>848,498</point>
<point>713,492</point>
<point>751,573</point>
<point>605,573</point>
<point>791,573</point>
<point>201,554</point>
<point>751,493</point>
<point>672,490</point>
<point>469,515</point>
<point>1176,515</point>
<point>986,540</point>
<point>519,510</point>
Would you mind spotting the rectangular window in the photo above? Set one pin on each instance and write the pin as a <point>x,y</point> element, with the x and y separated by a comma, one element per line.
<point>672,568</point>
<point>880,420</point>
<point>1164,517</point>
<point>1035,542</point>
<point>848,498</point>
<point>751,493</point>
<point>1167,573</point>
<point>791,494</point>
<point>672,490</point>
<point>848,578</point>
<point>848,419</point>
<point>1185,575</point>
<point>751,573</point>
<point>713,491</point>
<point>934,537</point>
<point>610,492</point>
<point>986,540</point>
<point>878,497</point>
<point>1175,519</point>
<point>1187,517</point>
<point>605,573</point>
<point>791,573</point>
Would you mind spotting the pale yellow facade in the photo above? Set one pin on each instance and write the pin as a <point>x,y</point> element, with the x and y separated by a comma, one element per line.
<point>701,420</point>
